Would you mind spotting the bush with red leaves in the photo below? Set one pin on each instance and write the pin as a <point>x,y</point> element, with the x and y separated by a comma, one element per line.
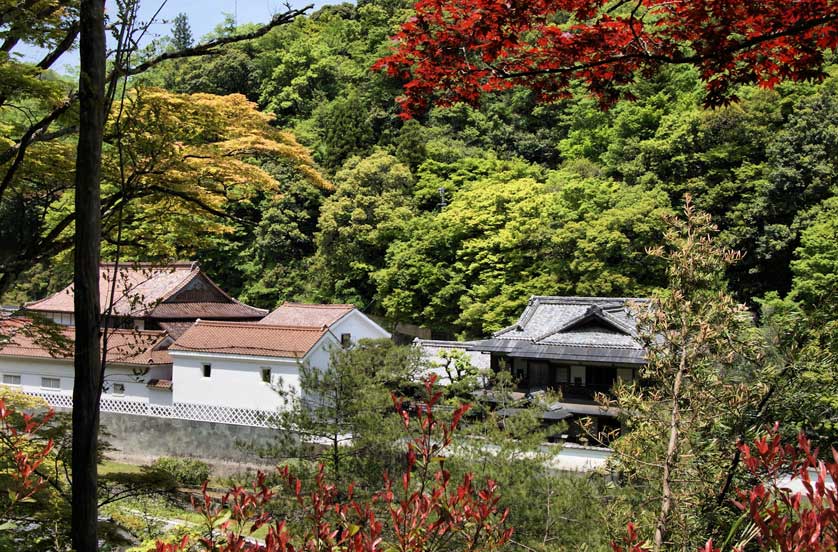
<point>420,510</point>
<point>786,519</point>
<point>24,453</point>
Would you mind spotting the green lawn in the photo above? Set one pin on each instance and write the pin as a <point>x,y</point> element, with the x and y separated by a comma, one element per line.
<point>109,467</point>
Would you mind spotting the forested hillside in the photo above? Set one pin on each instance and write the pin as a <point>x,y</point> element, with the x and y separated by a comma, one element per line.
<point>453,219</point>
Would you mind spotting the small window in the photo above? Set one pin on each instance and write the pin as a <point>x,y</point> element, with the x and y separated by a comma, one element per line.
<point>266,375</point>
<point>207,369</point>
<point>562,374</point>
<point>345,340</point>
<point>118,389</point>
<point>9,379</point>
<point>51,383</point>
<point>625,374</point>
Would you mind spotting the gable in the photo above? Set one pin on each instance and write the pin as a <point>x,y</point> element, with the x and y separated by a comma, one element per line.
<point>359,326</point>
<point>594,319</point>
<point>198,290</point>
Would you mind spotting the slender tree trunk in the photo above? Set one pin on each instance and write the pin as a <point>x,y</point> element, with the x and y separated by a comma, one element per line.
<point>671,455</point>
<point>88,380</point>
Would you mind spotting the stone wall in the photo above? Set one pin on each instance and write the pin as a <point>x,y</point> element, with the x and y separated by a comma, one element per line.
<point>142,439</point>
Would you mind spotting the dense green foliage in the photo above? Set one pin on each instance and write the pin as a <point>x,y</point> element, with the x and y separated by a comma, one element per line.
<point>452,220</point>
<point>184,471</point>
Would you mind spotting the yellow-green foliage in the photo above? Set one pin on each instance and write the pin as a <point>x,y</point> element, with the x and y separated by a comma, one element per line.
<point>172,164</point>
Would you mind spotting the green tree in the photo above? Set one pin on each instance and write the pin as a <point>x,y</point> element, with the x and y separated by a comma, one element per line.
<point>503,237</point>
<point>704,377</point>
<point>368,211</point>
<point>343,414</point>
<point>277,260</point>
<point>181,32</point>
<point>815,268</point>
<point>805,395</point>
<point>185,161</point>
<point>344,129</point>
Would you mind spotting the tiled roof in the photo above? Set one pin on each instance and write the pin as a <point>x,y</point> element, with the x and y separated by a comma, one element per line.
<point>176,329</point>
<point>239,338</point>
<point>595,329</point>
<point>303,314</point>
<point>432,348</point>
<point>143,289</point>
<point>162,384</point>
<point>193,311</point>
<point>144,348</point>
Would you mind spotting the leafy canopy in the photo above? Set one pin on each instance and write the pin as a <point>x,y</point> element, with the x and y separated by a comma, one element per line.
<point>455,50</point>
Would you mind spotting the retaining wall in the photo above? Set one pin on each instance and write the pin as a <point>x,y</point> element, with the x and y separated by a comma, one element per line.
<point>144,438</point>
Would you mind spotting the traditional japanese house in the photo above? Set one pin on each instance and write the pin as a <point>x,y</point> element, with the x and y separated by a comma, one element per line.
<point>576,345</point>
<point>147,296</point>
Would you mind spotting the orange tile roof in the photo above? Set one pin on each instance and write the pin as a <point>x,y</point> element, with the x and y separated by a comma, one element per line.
<point>142,290</point>
<point>162,384</point>
<point>303,314</point>
<point>133,347</point>
<point>138,287</point>
<point>240,338</point>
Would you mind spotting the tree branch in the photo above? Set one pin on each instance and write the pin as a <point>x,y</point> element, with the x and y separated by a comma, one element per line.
<point>210,47</point>
<point>676,58</point>
<point>35,132</point>
<point>63,46</point>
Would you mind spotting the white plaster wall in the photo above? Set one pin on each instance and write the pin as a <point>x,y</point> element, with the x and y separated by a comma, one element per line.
<point>319,355</point>
<point>359,326</point>
<point>159,396</point>
<point>234,382</point>
<point>579,458</point>
<point>63,318</point>
<point>31,370</point>
<point>159,372</point>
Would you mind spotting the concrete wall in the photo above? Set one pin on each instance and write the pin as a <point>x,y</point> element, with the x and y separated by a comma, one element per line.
<point>142,439</point>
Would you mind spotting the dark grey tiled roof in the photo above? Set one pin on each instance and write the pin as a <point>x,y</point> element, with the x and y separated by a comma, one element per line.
<point>431,349</point>
<point>574,329</point>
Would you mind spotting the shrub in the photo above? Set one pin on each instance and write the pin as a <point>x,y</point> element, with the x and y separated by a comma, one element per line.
<point>185,471</point>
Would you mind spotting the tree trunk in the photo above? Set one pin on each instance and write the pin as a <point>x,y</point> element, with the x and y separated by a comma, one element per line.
<point>671,454</point>
<point>88,380</point>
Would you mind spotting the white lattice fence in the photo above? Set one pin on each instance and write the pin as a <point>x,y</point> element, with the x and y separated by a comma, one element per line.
<point>57,400</point>
<point>182,411</point>
<point>222,414</point>
<point>120,406</point>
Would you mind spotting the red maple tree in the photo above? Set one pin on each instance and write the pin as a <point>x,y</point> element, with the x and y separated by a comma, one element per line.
<point>455,50</point>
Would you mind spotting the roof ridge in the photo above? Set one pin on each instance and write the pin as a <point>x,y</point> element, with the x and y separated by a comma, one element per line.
<point>318,305</point>
<point>216,348</point>
<point>132,331</point>
<point>591,313</point>
<point>222,323</point>
<point>152,264</point>
<point>582,298</point>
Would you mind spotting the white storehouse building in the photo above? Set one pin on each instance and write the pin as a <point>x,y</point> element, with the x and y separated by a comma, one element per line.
<point>223,370</point>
